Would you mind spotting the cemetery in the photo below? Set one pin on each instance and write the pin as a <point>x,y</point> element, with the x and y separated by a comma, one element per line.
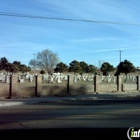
<point>65,84</point>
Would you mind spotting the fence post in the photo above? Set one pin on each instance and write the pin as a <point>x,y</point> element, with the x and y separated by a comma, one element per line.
<point>138,83</point>
<point>96,83</point>
<point>12,85</point>
<point>36,76</point>
<point>38,80</point>
<point>69,83</point>
<point>119,83</point>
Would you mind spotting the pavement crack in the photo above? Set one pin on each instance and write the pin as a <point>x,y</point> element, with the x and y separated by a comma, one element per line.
<point>23,126</point>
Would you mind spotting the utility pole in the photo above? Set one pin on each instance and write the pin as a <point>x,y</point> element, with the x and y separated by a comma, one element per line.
<point>120,55</point>
<point>34,63</point>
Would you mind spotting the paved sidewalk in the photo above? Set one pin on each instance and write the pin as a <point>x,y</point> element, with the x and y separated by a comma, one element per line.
<point>101,96</point>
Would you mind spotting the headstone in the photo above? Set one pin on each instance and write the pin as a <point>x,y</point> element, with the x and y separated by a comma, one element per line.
<point>51,79</point>
<point>45,77</point>
<point>30,78</point>
<point>133,79</point>
<point>7,80</point>
<point>103,77</point>
<point>79,77</point>
<point>65,77</point>
<point>84,78</point>
<point>2,73</point>
<point>109,80</point>
<point>3,78</point>
<point>75,79</point>
<point>21,80</point>
<point>114,79</point>
<point>58,79</point>
<point>27,76</point>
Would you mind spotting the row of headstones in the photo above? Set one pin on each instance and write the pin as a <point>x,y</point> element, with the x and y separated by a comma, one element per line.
<point>76,78</point>
<point>109,78</point>
<point>55,77</point>
<point>5,78</point>
<point>114,78</point>
<point>84,77</point>
<point>90,78</point>
<point>129,77</point>
<point>102,78</point>
<point>29,77</point>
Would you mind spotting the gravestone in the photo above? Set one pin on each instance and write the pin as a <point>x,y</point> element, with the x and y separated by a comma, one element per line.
<point>3,78</point>
<point>30,78</point>
<point>51,78</point>
<point>7,79</point>
<point>58,79</point>
<point>109,79</point>
<point>65,77</point>
<point>75,79</point>
<point>21,80</point>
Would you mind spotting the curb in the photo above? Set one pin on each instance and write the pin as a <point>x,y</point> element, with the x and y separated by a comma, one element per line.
<point>37,100</point>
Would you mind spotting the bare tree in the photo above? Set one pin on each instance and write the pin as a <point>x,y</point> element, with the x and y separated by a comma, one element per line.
<point>46,60</point>
<point>100,63</point>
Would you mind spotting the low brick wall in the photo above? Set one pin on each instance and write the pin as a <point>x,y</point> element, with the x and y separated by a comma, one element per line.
<point>38,88</point>
<point>4,90</point>
<point>25,89</point>
<point>129,87</point>
<point>53,90</point>
<point>81,89</point>
<point>108,87</point>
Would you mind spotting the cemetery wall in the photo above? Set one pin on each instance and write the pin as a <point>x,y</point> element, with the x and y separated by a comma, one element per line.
<point>25,89</point>
<point>107,87</point>
<point>53,90</point>
<point>4,89</point>
<point>81,89</point>
<point>33,85</point>
<point>129,87</point>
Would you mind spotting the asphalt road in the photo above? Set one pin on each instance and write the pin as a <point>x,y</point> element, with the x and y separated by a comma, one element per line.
<point>82,116</point>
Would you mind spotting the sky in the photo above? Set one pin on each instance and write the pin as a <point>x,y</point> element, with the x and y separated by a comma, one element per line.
<point>114,29</point>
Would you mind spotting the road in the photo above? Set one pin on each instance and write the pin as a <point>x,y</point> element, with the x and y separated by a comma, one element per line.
<point>75,115</point>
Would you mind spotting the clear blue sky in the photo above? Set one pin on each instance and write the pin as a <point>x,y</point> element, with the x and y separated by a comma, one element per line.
<point>21,38</point>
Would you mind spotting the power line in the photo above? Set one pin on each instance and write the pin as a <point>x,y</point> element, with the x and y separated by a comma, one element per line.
<point>64,19</point>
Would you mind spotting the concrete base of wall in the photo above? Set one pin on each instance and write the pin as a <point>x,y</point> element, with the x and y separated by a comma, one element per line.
<point>129,87</point>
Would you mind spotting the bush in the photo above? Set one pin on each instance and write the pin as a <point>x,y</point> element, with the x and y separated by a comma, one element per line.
<point>42,72</point>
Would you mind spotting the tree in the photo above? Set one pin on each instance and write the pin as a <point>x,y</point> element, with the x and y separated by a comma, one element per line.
<point>125,67</point>
<point>24,68</point>
<point>42,72</point>
<point>84,66</point>
<point>46,60</point>
<point>75,67</point>
<point>106,68</point>
<point>21,67</point>
<point>3,63</point>
<point>32,63</point>
<point>12,68</point>
<point>61,67</point>
<point>91,69</point>
<point>100,63</point>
